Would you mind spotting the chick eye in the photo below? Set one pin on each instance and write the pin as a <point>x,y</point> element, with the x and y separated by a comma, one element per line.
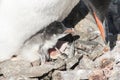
<point>60,30</point>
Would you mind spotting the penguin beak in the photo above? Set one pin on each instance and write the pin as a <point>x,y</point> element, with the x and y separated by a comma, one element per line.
<point>100,26</point>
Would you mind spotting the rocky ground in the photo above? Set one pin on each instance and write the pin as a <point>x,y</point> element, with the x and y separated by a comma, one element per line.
<point>85,57</point>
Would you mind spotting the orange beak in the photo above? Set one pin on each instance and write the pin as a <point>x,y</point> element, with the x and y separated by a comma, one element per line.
<point>100,26</point>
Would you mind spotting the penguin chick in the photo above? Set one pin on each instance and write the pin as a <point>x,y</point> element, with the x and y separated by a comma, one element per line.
<point>20,19</point>
<point>37,46</point>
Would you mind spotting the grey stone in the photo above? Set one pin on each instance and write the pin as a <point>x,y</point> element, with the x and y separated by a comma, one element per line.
<point>71,75</point>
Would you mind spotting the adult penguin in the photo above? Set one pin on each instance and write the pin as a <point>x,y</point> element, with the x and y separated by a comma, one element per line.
<point>112,23</point>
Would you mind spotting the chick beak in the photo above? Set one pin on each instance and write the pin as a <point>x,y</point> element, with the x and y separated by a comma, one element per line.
<point>69,31</point>
<point>100,26</point>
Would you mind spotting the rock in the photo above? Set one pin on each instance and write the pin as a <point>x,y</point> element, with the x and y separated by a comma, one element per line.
<point>71,62</point>
<point>113,55</point>
<point>115,73</point>
<point>41,70</point>
<point>59,63</point>
<point>20,78</point>
<point>86,46</point>
<point>107,63</point>
<point>86,63</point>
<point>97,75</point>
<point>17,70</point>
<point>71,75</point>
<point>91,48</point>
<point>11,68</point>
<point>70,50</point>
<point>2,78</point>
<point>115,76</point>
<point>97,52</point>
